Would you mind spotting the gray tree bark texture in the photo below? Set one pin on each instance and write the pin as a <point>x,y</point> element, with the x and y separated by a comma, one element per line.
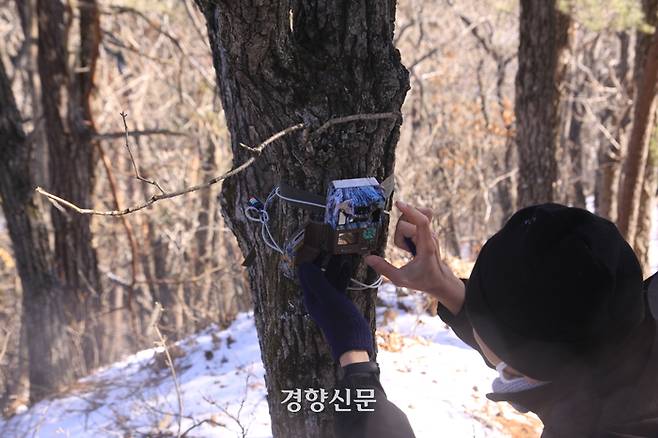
<point>279,63</point>
<point>72,156</point>
<point>637,151</point>
<point>544,34</point>
<point>56,282</point>
<point>44,319</point>
<point>609,156</point>
<point>647,201</point>
<point>647,206</point>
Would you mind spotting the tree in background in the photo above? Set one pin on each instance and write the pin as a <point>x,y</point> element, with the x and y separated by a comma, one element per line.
<point>46,320</point>
<point>280,64</point>
<point>637,162</point>
<point>180,255</point>
<point>544,35</point>
<point>72,157</point>
<point>615,120</point>
<point>60,285</point>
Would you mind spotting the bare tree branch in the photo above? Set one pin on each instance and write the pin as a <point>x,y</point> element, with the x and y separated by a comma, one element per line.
<point>5,344</point>
<point>132,158</point>
<point>162,342</point>
<point>61,203</point>
<point>353,118</point>
<point>258,149</point>
<point>141,133</point>
<point>201,423</point>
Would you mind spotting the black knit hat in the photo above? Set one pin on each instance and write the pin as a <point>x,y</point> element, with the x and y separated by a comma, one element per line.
<point>555,285</point>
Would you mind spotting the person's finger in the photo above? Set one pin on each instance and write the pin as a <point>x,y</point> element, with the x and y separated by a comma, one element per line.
<point>424,240</point>
<point>382,267</point>
<point>426,211</point>
<point>402,230</point>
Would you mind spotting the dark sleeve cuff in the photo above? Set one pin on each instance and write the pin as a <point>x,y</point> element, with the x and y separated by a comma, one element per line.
<point>461,325</point>
<point>385,419</point>
<point>360,373</point>
<point>361,367</point>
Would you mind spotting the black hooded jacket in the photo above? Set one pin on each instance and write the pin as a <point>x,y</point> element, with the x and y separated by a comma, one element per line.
<point>618,399</point>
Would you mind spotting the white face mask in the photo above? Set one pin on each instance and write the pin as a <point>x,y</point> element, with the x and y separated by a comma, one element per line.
<point>504,379</point>
<point>503,384</point>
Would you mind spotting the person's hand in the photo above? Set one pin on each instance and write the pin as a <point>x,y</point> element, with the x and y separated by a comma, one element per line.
<point>426,271</point>
<point>346,330</point>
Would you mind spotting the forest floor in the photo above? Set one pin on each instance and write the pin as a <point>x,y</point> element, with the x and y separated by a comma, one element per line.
<point>439,382</point>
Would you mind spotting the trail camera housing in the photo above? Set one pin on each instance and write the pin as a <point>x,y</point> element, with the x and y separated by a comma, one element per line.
<point>352,217</point>
<point>354,211</point>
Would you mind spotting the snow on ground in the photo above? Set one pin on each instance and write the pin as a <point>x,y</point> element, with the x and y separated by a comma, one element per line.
<point>426,370</point>
<point>438,381</point>
<point>136,397</point>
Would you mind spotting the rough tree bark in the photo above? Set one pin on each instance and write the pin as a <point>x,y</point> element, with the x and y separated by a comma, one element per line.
<point>27,13</point>
<point>637,151</point>
<point>53,282</point>
<point>44,320</point>
<point>647,202</point>
<point>279,63</point>
<point>571,138</point>
<point>72,156</point>
<point>609,156</point>
<point>544,34</point>
<point>647,207</point>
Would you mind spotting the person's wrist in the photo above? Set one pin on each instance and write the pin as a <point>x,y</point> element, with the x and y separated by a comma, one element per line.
<point>436,292</point>
<point>353,356</point>
<point>450,295</point>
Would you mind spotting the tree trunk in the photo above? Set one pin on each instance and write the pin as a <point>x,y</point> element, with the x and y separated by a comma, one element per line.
<point>618,121</point>
<point>278,65</point>
<point>72,158</point>
<point>647,207</point>
<point>544,34</point>
<point>572,140</point>
<point>607,184</point>
<point>646,74</point>
<point>39,162</point>
<point>44,316</point>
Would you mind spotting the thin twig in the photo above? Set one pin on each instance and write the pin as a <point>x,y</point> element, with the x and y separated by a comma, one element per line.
<point>153,199</point>
<point>126,223</point>
<point>126,9</point>
<point>200,423</point>
<point>611,138</point>
<point>235,417</point>
<point>163,343</point>
<point>132,158</point>
<point>353,118</point>
<point>443,45</point>
<point>5,344</point>
<point>174,40</point>
<point>502,177</point>
<point>258,149</point>
<point>203,36</point>
<point>140,133</point>
<point>123,282</point>
<point>61,203</point>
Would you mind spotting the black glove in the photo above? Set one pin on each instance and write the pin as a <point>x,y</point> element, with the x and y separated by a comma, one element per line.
<point>342,323</point>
